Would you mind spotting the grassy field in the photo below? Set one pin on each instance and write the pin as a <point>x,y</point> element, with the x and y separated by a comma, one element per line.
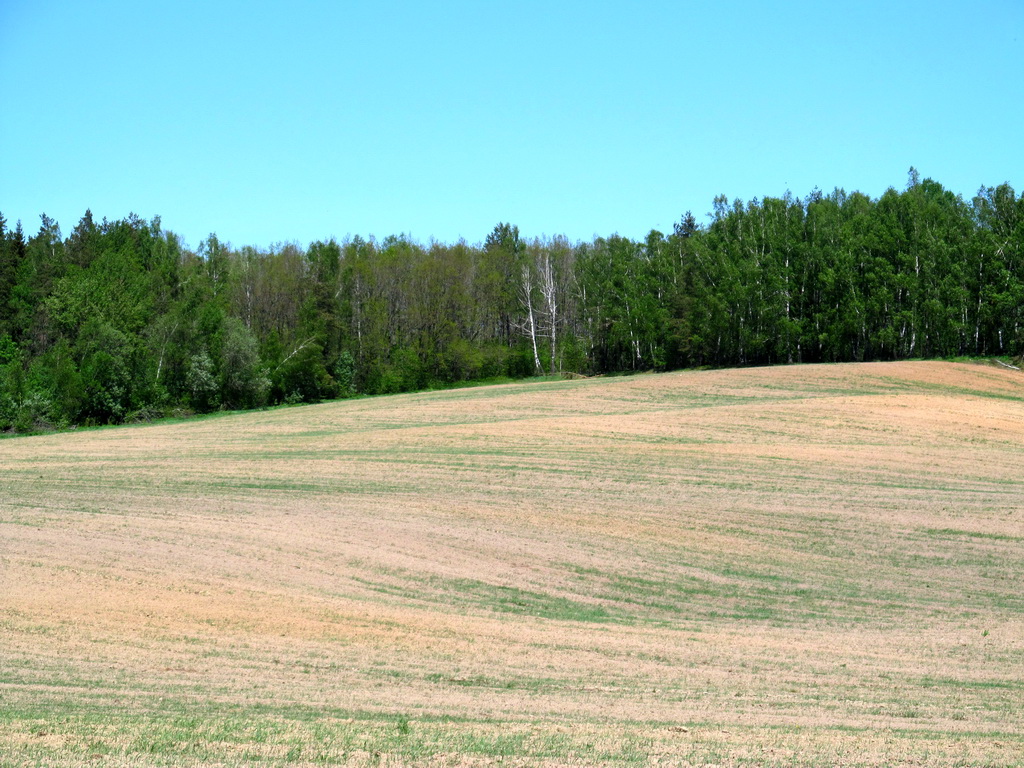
<point>805,565</point>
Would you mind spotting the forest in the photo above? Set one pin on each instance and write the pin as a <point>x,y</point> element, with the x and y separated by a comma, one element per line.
<point>119,321</point>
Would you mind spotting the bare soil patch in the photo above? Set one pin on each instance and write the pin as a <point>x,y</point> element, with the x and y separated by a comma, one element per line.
<point>805,565</point>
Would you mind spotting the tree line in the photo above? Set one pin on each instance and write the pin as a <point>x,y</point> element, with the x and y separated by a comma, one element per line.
<point>120,321</point>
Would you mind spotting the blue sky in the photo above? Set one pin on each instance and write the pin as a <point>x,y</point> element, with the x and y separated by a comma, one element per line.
<point>267,122</point>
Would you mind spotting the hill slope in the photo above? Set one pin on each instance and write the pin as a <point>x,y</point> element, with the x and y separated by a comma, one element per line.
<point>798,565</point>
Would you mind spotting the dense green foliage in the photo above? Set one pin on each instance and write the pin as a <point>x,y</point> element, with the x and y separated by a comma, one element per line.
<point>119,321</point>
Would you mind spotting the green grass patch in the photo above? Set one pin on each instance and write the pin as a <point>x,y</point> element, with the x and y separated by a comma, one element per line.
<point>947,533</point>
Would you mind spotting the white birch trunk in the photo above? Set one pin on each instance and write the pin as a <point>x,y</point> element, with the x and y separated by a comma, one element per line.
<point>531,324</point>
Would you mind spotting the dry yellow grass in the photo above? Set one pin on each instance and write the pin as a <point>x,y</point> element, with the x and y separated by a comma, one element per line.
<point>814,565</point>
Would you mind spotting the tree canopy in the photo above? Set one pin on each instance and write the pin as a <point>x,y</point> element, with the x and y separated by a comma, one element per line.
<point>120,321</point>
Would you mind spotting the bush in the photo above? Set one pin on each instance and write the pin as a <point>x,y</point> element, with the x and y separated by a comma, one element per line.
<point>33,413</point>
<point>105,373</point>
<point>345,374</point>
<point>461,361</point>
<point>243,382</point>
<point>200,383</point>
<point>302,377</point>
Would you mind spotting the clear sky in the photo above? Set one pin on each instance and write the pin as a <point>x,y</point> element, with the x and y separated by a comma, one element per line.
<point>303,120</point>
